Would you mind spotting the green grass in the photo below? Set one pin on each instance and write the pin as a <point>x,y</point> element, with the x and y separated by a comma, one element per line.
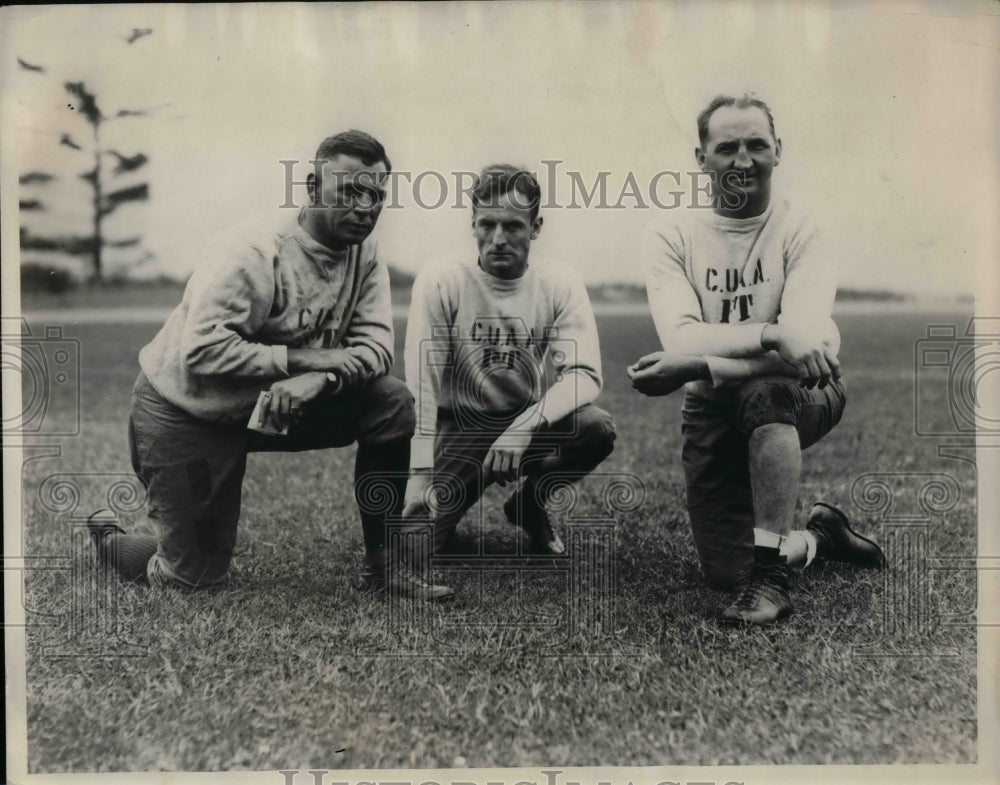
<point>291,668</point>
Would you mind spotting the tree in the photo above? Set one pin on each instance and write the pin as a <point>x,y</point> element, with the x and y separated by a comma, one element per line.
<point>105,203</point>
<point>105,198</point>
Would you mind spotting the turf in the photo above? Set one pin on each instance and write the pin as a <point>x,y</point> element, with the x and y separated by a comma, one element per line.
<point>292,668</point>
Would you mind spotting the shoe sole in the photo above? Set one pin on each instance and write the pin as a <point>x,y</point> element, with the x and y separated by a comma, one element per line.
<point>741,622</point>
<point>883,563</point>
<point>375,588</point>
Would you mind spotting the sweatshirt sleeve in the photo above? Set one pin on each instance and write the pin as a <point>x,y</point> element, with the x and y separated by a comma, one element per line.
<point>676,308</point>
<point>226,308</point>
<point>370,332</point>
<point>576,355</point>
<point>810,281</point>
<point>730,370</point>
<point>426,355</point>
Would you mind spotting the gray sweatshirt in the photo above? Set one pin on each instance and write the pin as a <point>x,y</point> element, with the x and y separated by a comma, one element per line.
<point>479,343</point>
<point>260,290</point>
<point>714,282</point>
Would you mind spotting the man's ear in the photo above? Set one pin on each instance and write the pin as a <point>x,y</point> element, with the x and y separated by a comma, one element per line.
<point>311,187</point>
<point>777,151</point>
<point>699,156</point>
<point>536,226</point>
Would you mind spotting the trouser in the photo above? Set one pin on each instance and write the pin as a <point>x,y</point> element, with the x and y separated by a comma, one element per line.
<point>572,446</point>
<point>716,462</point>
<point>193,470</point>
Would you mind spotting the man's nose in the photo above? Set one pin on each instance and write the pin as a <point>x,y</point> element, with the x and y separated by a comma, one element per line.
<point>742,160</point>
<point>364,203</point>
<point>498,237</point>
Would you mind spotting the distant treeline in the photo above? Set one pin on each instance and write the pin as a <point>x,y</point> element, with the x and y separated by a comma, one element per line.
<point>41,278</point>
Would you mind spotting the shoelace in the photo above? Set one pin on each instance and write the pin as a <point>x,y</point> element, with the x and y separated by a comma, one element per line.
<point>763,578</point>
<point>409,576</point>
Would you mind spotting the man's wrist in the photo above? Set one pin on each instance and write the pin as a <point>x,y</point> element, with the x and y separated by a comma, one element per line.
<point>700,368</point>
<point>531,420</point>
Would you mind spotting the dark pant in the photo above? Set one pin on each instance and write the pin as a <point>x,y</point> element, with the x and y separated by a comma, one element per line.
<point>193,469</point>
<point>716,462</point>
<point>574,445</point>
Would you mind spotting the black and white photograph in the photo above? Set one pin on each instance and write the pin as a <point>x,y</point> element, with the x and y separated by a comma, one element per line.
<point>515,393</point>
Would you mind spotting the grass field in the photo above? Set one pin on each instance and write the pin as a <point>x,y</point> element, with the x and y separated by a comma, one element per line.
<point>291,668</point>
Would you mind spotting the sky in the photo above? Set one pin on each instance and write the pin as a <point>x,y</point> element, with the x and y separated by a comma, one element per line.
<point>888,114</point>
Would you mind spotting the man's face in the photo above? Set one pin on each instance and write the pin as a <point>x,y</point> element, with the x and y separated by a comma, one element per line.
<point>347,202</point>
<point>504,231</point>
<point>740,152</point>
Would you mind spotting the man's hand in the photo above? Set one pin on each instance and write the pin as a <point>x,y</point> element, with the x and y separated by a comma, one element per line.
<point>503,461</point>
<point>349,367</point>
<point>284,404</point>
<point>661,373</point>
<point>419,501</point>
<point>811,356</point>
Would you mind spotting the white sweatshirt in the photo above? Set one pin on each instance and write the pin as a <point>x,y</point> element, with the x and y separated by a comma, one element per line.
<point>479,343</point>
<point>714,282</point>
<point>259,291</point>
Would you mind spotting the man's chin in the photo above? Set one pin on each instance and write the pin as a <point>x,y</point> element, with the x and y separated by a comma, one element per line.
<point>505,267</point>
<point>356,232</point>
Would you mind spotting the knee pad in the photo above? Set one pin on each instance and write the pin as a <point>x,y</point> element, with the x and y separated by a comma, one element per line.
<point>766,401</point>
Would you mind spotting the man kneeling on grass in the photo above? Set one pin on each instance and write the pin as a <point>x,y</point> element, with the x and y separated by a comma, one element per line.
<point>283,341</point>
<point>480,330</point>
<point>742,299</point>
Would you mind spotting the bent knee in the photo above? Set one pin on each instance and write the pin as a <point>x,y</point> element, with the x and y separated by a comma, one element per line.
<point>597,431</point>
<point>765,401</point>
<point>391,402</point>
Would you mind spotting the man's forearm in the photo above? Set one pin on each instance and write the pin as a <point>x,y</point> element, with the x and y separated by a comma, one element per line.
<point>728,370</point>
<point>301,360</point>
<point>577,388</point>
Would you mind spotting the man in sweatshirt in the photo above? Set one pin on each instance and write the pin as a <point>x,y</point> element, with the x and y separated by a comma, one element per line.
<point>283,341</point>
<point>742,297</point>
<point>479,332</point>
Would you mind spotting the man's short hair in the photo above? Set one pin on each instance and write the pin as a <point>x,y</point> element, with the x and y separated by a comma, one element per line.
<point>498,179</point>
<point>354,143</point>
<point>746,100</point>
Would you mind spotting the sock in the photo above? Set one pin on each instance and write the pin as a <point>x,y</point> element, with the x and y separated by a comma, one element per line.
<point>807,540</point>
<point>797,548</point>
<point>127,554</point>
